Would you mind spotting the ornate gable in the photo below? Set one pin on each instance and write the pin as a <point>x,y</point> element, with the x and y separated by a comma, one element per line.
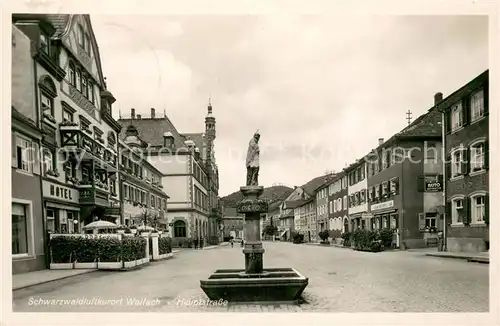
<point>79,39</point>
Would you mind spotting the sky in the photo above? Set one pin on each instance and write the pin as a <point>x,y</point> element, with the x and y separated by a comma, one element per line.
<point>321,90</point>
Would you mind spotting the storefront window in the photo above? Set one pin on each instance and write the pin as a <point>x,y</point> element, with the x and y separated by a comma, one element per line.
<point>19,229</point>
<point>51,217</point>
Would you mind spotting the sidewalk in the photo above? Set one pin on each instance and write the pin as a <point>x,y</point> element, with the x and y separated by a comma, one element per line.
<point>481,257</point>
<point>24,280</point>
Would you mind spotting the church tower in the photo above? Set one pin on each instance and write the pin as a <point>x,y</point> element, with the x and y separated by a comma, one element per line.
<point>210,134</point>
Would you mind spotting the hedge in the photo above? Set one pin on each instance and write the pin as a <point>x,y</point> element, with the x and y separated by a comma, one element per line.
<point>67,249</point>
<point>368,240</point>
<point>165,245</point>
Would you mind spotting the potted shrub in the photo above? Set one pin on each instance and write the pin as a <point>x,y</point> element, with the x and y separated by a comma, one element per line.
<point>61,252</point>
<point>86,253</point>
<point>324,235</point>
<point>109,249</point>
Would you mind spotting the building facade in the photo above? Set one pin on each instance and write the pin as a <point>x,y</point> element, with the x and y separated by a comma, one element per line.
<point>338,220</point>
<point>356,195</point>
<point>305,212</point>
<point>79,147</point>
<point>233,224</point>
<point>142,196</point>
<point>189,174</point>
<point>405,182</point>
<point>466,137</point>
<point>322,207</point>
<point>28,229</point>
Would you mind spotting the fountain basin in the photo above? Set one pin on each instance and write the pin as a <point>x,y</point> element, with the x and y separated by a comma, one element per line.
<point>272,285</point>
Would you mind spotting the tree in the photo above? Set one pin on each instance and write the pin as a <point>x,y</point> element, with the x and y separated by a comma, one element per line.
<point>324,235</point>
<point>270,230</point>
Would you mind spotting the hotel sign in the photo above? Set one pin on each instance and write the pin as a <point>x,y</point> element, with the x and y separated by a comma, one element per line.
<point>433,186</point>
<point>384,205</point>
<point>56,191</point>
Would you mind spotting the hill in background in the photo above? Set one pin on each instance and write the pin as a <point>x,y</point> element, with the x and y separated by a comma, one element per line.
<point>270,194</point>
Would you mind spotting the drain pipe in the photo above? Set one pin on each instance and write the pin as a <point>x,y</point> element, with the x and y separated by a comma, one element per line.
<point>438,98</point>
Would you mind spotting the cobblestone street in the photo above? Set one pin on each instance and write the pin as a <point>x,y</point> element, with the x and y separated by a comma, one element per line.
<point>340,280</point>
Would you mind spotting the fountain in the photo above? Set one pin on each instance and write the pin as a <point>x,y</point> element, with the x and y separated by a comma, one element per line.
<point>254,284</point>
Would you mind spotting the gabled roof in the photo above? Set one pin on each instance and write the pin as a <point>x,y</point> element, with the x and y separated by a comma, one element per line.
<point>427,125</point>
<point>275,206</point>
<point>306,201</point>
<point>151,130</point>
<point>292,204</point>
<point>311,186</point>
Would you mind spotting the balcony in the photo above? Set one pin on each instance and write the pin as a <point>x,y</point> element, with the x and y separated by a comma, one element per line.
<point>93,195</point>
<point>77,142</point>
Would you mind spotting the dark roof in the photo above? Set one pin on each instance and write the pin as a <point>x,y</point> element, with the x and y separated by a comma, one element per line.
<point>311,186</point>
<point>305,201</point>
<point>274,206</point>
<point>465,90</point>
<point>21,117</point>
<point>151,130</point>
<point>197,138</point>
<point>427,125</point>
<point>59,22</point>
<point>292,203</point>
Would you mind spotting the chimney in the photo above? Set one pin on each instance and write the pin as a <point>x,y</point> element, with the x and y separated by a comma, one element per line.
<point>138,117</point>
<point>152,113</point>
<point>132,113</point>
<point>438,97</point>
<point>380,141</point>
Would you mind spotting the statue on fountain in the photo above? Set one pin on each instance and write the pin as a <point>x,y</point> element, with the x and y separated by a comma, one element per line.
<point>252,162</point>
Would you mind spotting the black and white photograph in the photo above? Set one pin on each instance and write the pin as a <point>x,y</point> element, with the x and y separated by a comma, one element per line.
<point>316,161</point>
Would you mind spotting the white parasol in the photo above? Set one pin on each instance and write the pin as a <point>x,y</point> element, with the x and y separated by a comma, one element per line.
<point>100,225</point>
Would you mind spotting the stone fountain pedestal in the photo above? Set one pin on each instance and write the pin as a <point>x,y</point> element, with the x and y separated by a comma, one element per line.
<point>254,284</point>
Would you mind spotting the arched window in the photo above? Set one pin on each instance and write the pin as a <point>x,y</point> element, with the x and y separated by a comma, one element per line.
<point>72,76</point>
<point>179,229</point>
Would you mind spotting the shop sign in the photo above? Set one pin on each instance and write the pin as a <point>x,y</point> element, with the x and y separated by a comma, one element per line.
<point>56,191</point>
<point>384,205</point>
<point>433,186</point>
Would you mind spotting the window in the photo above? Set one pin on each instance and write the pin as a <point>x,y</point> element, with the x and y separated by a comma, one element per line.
<point>344,200</point>
<point>47,104</point>
<point>164,204</point>
<point>478,209</point>
<point>112,186</point>
<point>356,199</point>
<point>179,229</point>
<point>457,214</point>
<point>143,197</point>
<point>68,116</point>
<point>477,157</point>
<point>362,196</point>
<point>456,163</point>
<point>430,220</point>
<point>370,194</point>
<point>48,160</point>
<point>72,74</point>
<point>85,90</point>
<point>91,95</point>
<point>385,191</point>
<point>153,200</point>
<point>19,229</point>
<point>456,116</point>
<point>125,191</point>
<point>24,154</point>
<point>377,192</point>
<point>51,218</point>
<point>44,43</point>
<point>78,81</point>
<point>477,105</point>
<point>394,186</point>
<point>339,204</point>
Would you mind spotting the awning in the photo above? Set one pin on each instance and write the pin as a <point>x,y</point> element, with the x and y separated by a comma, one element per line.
<point>60,206</point>
<point>383,212</point>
